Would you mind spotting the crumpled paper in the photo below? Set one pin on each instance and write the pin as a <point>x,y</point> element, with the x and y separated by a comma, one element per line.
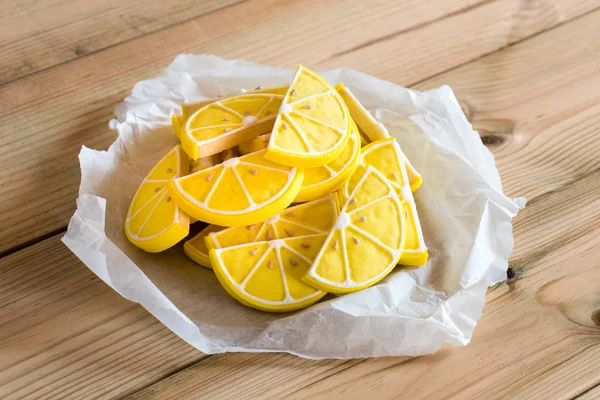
<point>465,216</point>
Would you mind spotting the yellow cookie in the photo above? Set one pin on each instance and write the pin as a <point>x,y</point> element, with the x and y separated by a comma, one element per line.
<point>313,124</point>
<point>204,162</point>
<point>196,249</point>
<point>226,123</point>
<point>258,143</point>
<point>365,121</point>
<point>328,178</point>
<point>366,241</point>
<point>304,219</point>
<point>385,156</point>
<point>154,222</point>
<point>414,177</point>
<point>239,191</point>
<point>177,121</point>
<point>373,130</point>
<point>267,275</point>
<point>250,261</point>
<point>189,109</point>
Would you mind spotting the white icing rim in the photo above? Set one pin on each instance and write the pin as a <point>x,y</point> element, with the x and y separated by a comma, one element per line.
<point>246,121</point>
<point>382,129</point>
<point>334,174</point>
<point>409,164</point>
<point>260,228</point>
<point>231,163</point>
<point>208,229</point>
<point>225,96</point>
<point>286,109</point>
<point>407,193</point>
<point>162,192</point>
<point>272,245</point>
<point>344,222</point>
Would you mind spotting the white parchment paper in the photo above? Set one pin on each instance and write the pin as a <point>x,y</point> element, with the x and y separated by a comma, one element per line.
<point>465,216</point>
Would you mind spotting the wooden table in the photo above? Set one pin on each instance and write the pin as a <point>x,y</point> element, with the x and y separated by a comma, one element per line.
<point>527,74</point>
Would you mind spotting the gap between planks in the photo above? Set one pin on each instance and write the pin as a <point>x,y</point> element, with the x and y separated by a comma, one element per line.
<point>60,207</point>
<point>411,29</point>
<point>536,203</point>
<point>177,18</point>
<point>539,196</point>
<point>508,45</point>
<point>169,374</point>
<point>33,241</point>
<point>210,35</point>
<point>592,393</point>
<point>240,365</point>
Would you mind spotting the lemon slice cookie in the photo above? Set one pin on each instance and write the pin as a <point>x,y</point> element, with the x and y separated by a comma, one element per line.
<point>258,143</point>
<point>267,275</point>
<point>312,125</point>
<point>189,109</point>
<point>240,191</point>
<point>226,123</point>
<point>154,222</point>
<point>304,219</point>
<point>366,241</point>
<point>387,157</point>
<point>320,181</point>
<point>262,265</point>
<point>196,249</point>
<point>178,121</point>
<point>373,129</point>
<point>414,177</point>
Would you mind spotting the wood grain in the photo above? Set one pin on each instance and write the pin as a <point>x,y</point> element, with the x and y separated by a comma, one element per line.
<point>46,117</point>
<point>41,139</point>
<point>540,334</point>
<point>38,35</point>
<point>536,333</point>
<point>65,334</point>
<point>46,289</point>
<point>403,56</point>
<point>538,112</point>
<point>590,394</point>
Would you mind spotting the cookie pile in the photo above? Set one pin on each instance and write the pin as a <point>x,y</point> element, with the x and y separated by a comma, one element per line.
<point>303,191</point>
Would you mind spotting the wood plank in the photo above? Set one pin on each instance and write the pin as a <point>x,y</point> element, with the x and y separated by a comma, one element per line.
<point>38,35</point>
<point>41,139</point>
<point>590,394</point>
<point>490,344</point>
<point>539,336</point>
<point>403,56</point>
<point>47,116</point>
<point>65,334</point>
<point>536,339</point>
<point>46,289</point>
<point>543,126</point>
